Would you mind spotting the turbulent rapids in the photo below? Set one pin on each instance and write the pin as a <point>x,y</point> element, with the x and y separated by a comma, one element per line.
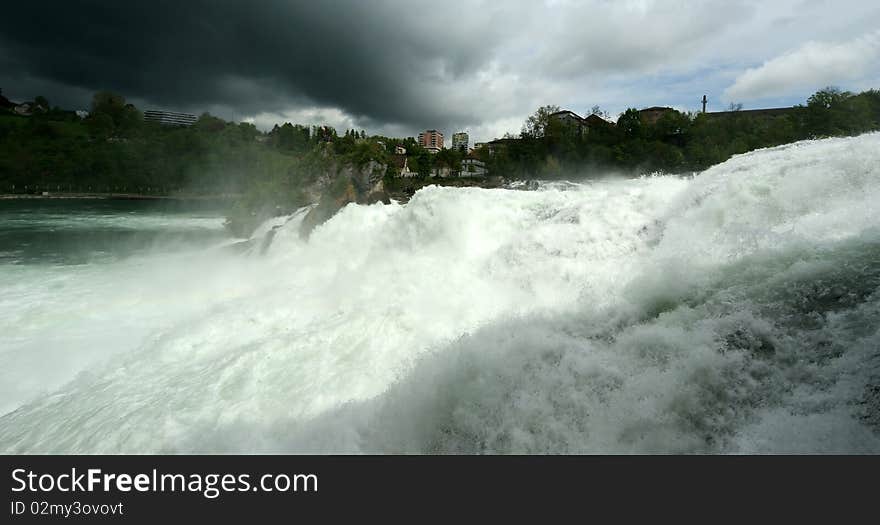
<point>735,311</point>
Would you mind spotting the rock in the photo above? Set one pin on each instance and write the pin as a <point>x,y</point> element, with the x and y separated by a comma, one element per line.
<point>360,185</point>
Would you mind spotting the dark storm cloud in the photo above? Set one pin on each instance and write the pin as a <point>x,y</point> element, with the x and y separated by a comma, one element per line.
<point>367,58</point>
<point>401,66</point>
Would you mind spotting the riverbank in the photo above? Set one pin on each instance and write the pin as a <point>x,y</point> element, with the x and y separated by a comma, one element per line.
<point>116,196</point>
<point>401,189</point>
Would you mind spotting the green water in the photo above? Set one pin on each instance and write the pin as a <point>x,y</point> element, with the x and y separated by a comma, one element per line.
<point>83,231</point>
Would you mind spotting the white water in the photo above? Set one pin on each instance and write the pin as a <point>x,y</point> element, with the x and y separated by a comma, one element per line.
<point>736,311</point>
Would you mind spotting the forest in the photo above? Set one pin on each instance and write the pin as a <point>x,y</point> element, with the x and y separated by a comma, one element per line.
<point>113,149</point>
<point>677,142</point>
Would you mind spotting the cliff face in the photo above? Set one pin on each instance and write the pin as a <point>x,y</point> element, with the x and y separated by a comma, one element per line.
<point>348,184</point>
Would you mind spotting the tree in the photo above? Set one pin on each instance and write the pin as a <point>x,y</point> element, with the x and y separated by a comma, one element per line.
<point>424,161</point>
<point>449,158</point>
<point>630,123</point>
<point>671,127</point>
<point>100,125</point>
<point>596,110</point>
<point>108,103</point>
<point>130,120</point>
<point>209,123</point>
<point>827,98</point>
<point>537,124</point>
<point>125,117</point>
<point>826,113</point>
<point>42,102</point>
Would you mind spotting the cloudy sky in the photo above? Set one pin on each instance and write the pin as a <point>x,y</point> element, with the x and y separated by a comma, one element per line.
<point>397,67</point>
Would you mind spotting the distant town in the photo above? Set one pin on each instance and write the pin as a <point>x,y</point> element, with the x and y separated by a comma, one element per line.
<point>116,147</point>
<point>473,160</point>
<point>472,165</point>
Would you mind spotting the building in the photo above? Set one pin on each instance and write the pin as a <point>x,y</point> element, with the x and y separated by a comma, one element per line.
<point>499,145</point>
<point>737,111</point>
<point>473,167</point>
<point>443,172</point>
<point>25,109</point>
<point>580,125</point>
<point>431,140</point>
<point>594,121</point>
<point>460,141</point>
<point>401,165</point>
<point>169,118</point>
<point>568,118</point>
<point>399,150</point>
<point>650,116</point>
<point>763,113</point>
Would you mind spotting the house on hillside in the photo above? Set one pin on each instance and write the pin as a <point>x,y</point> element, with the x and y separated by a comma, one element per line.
<point>499,145</point>
<point>581,125</point>
<point>24,109</point>
<point>761,113</point>
<point>401,166</point>
<point>738,111</point>
<point>594,121</point>
<point>473,167</point>
<point>169,118</point>
<point>443,172</point>
<point>568,118</point>
<point>651,115</point>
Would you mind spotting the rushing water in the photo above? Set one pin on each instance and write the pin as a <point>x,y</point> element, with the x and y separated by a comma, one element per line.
<point>734,311</point>
<point>80,231</point>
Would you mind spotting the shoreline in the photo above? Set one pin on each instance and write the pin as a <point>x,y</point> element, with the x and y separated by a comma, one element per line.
<point>404,188</point>
<point>114,196</point>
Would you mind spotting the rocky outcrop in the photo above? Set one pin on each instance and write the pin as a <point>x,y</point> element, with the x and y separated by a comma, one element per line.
<point>351,184</point>
<point>402,190</point>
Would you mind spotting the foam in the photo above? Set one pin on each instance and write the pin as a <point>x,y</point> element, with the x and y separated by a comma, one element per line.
<point>735,311</point>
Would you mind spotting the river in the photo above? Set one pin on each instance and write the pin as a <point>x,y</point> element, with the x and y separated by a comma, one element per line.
<point>733,311</point>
